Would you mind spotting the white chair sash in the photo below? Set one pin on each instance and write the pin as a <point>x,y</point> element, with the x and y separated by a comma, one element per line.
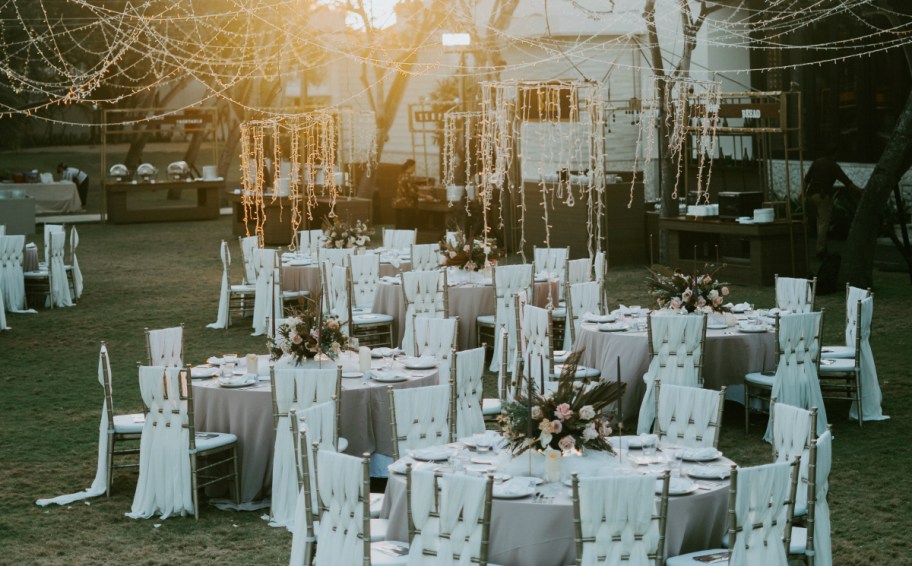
<point>616,514</point>
<point>422,417</point>
<point>365,275</point>
<point>536,345</point>
<point>12,281</point>
<point>48,230</point>
<point>248,245</point>
<point>462,502</point>
<point>554,262</point>
<point>3,325</point>
<point>299,389</point>
<point>336,256</point>
<point>100,483</point>
<point>222,318</point>
<point>871,396</point>
<point>760,513</point>
<point>599,267</point>
<point>792,434</point>
<point>264,262</point>
<point>425,256</point>
<point>166,346</point>
<point>796,382</point>
<point>436,337</point>
<point>57,278</point>
<point>823,550</point>
<point>794,295</point>
<point>853,297</point>
<point>685,413</point>
<point>77,273</point>
<point>579,271</point>
<point>677,353</point>
<point>340,488</point>
<point>469,391</point>
<point>164,485</point>
<point>423,293</point>
<point>335,290</point>
<point>421,503</point>
<point>508,280</point>
<point>398,239</point>
<point>310,241</point>
<point>582,298</point>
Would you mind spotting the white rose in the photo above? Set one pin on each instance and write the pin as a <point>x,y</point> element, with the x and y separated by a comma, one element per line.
<point>587,413</point>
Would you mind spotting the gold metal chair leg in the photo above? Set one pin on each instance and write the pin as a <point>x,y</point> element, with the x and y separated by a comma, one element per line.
<point>193,481</point>
<point>110,464</point>
<point>237,481</point>
<point>746,407</point>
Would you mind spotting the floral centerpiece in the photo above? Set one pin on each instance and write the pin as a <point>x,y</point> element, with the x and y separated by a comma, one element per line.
<point>572,417</point>
<point>302,337</point>
<point>672,289</point>
<point>468,253</point>
<point>341,234</point>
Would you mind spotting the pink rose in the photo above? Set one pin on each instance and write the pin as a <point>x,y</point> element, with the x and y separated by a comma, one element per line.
<point>707,279</point>
<point>537,412</point>
<point>686,295</point>
<point>332,324</point>
<point>546,427</point>
<point>296,339</point>
<point>676,303</point>
<point>605,430</point>
<point>717,301</point>
<point>701,302</point>
<point>556,427</point>
<point>567,443</point>
<point>467,248</point>
<point>724,291</point>
<point>563,411</point>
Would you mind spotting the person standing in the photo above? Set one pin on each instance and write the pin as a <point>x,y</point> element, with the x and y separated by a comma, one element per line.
<point>820,191</point>
<point>406,196</point>
<point>78,176</point>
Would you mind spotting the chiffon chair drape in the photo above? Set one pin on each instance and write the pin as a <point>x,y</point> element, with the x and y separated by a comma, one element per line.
<point>854,295</point>
<point>424,294</point>
<point>508,280</point>
<point>688,416</point>
<point>12,281</point>
<point>582,298</point>
<point>59,287</point>
<point>399,239</point>
<point>468,389</point>
<point>78,282</point>
<point>264,262</point>
<point>794,294</point>
<point>222,317</point>
<point>420,418</point>
<point>676,348</point>
<point>425,256</point>
<point>871,396</point>
<point>436,337</point>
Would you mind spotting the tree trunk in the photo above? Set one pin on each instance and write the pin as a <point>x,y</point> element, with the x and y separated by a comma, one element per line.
<point>858,264</point>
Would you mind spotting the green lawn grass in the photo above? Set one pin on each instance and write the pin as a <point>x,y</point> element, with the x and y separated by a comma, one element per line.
<point>156,275</point>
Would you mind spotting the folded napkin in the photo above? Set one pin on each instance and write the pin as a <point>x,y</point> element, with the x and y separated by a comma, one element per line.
<point>595,317</point>
<point>386,375</point>
<point>422,361</point>
<point>739,308</point>
<point>236,379</point>
<point>31,245</point>
<point>612,326</point>
<point>714,472</point>
<point>707,453</point>
<point>385,352</point>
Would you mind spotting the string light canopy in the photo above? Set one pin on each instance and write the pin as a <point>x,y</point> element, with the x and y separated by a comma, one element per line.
<point>552,131</point>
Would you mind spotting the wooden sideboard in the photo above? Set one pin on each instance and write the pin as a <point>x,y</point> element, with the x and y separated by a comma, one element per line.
<point>752,253</point>
<point>150,202</point>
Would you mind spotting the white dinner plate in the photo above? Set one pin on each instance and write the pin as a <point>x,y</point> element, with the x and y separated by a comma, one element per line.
<point>479,468</point>
<point>388,377</point>
<point>612,327</point>
<point>432,453</point>
<point>352,374</point>
<point>512,490</point>
<point>236,384</point>
<point>399,466</point>
<point>700,454</point>
<point>484,461</point>
<point>599,318</point>
<point>717,326</point>
<point>415,363</point>
<point>752,329</point>
<point>528,480</point>
<point>709,472</point>
<point>494,437</point>
<point>677,486</point>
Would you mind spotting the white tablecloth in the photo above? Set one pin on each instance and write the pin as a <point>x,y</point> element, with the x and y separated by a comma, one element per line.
<point>729,355</point>
<point>247,413</point>
<point>535,532</point>
<point>50,198</point>
<point>307,277</point>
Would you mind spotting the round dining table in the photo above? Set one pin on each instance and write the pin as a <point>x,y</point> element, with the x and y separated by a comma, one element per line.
<point>537,530</point>
<point>304,274</point>
<point>246,412</point>
<point>728,356</point>
<point>467,300</point>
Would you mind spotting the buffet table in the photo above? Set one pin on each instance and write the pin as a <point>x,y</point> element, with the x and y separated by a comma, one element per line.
<point>128,202</point>
<point>50,198</point>
<point>247,413</point>
<point>538,530</point>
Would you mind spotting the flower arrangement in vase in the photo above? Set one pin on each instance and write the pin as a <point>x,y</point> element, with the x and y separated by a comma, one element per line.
<point>570,418</point>
<point>341,234</point>
<point>302,337</point>
<point>468,253</point>
<point>674,290</point>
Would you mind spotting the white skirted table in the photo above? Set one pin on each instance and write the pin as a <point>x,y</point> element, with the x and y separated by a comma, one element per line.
<point>247,413</point>
<point>50,198</point>
<point>468,301</point>
<point>537,530</point>
<point>729,355</point>
<point>304,275</point>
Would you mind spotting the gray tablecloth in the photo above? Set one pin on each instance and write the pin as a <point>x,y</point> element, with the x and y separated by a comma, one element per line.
<point>530,532</point>
<point>307,277</point>
<point>50,198</point>
<point>247,413</point>
<point>468,302</point>
<point>728,357</point>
